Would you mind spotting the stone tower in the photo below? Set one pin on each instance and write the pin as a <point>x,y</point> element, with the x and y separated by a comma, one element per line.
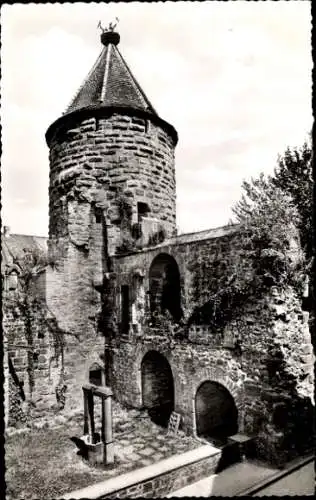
<point>112,183</point>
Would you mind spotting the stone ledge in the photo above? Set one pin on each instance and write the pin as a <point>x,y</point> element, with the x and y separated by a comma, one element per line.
<point>124,481</point>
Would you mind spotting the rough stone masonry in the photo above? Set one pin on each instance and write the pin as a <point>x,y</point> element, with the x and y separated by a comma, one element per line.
<point>126,293</point>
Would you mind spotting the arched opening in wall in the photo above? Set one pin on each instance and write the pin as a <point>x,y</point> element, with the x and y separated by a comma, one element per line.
<point>96,374</point>
<point>157,387</point>
<point>215,412</point>
<point>164,287</point>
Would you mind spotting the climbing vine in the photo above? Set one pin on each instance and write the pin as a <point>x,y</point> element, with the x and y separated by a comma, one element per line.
<point>26,304</point>
<point>263,252</point>
<point>158,237</point>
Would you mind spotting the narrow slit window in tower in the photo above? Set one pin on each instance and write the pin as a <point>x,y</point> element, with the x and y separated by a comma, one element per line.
<point>98,215</point>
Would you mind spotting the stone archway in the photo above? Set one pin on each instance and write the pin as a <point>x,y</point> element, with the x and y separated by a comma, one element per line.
<point>215,412</point>
<point>157,387</point>
<point>164,286</point>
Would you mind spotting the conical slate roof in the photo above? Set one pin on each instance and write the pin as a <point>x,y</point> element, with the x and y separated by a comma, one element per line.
<point>109,86</point>
<point>110,82</point>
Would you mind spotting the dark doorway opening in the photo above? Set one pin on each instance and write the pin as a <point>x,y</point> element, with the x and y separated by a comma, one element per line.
<point>157,387</point>
<point>216,413</point>
<point>164,287</point>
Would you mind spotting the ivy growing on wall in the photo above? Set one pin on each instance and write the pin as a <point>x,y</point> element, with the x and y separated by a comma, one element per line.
<point>158,237</point>
<point>264,252</point>
<point>26,304</point>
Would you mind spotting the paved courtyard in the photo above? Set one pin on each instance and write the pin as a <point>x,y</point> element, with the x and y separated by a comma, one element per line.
<point>43,462</point>
<point>139,442</point>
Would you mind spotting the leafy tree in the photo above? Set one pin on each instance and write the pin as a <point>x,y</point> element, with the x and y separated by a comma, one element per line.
<point>270,205</point>
<point>266,251</point>
<point>266,212</point>
<point>269,220</point>
<point>293,175</point>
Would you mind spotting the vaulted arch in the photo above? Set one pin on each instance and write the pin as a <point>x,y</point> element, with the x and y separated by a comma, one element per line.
<point>157,387</point>
<point>215,411</point>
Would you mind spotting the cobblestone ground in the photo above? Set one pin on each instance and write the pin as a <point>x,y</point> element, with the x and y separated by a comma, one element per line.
<point>138,442</point>
<point>144,443</point>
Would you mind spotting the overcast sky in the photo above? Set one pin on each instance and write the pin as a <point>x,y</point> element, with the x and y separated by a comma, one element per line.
<point>234,78</point>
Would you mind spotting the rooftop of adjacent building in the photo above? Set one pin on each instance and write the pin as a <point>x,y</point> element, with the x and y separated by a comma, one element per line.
<point>13,245</point>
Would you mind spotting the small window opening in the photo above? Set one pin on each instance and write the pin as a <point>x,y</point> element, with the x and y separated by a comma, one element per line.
<point>12,281</point>
<point>95,376</point>
<point>164,287</point>
<point>35,359</point>
<point>125,308</point>
<point>142,210</point>
<point>98,215</point>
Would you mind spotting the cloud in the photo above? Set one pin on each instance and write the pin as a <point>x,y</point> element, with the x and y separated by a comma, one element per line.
<point>234,79</point>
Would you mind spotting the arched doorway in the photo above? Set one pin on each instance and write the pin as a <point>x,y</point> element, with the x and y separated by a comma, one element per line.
<point>215,412</point>
<point>157,387</point>
<point>164,286</point>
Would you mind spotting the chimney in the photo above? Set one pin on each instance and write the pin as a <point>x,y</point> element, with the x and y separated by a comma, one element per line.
<point>6,231</point>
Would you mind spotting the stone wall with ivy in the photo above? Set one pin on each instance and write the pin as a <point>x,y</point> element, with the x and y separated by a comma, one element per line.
<point>30,351</point>
<point>47,365</point>
<point>242,325</point>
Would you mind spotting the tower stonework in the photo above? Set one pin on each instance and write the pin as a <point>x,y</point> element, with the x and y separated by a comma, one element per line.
<point>112,183</point>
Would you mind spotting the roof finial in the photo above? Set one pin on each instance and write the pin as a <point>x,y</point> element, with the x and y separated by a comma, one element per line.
<point>108,34</point>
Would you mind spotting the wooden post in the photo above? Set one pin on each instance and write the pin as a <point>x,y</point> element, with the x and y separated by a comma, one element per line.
<point>85,412</point>
<point>103,425</point>
<point>103,421</point>
<point>91,416</point>
<point>108,436</point>
<point>105,393</point>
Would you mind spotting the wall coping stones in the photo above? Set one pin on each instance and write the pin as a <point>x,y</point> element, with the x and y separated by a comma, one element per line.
<point>144,474</point>
<point>184,239</point>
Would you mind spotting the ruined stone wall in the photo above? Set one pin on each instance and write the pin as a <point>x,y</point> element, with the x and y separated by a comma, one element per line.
<point>190,259</point>
<point>50,367</point>
<point>191,365</point>
<point>28,356</point>
<point>263,355</point>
